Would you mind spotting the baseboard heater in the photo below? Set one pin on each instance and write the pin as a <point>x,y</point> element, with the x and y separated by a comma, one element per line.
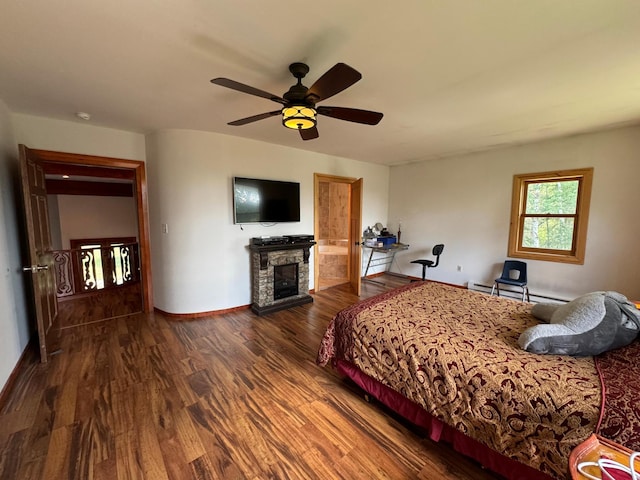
<point>516,294</point>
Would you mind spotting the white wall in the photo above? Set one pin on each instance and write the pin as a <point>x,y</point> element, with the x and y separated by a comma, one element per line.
<point>464,202</point>
<point>202,263</point>
<point>87,216</point>
<point>14,315</point>
<point>74,137</point>
<point>54,222</point>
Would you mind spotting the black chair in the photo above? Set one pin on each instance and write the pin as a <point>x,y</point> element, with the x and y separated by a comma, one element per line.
<point>437,251</point>
<point>514,273</point>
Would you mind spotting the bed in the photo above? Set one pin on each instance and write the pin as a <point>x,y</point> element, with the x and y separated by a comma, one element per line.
<point>448,360</point>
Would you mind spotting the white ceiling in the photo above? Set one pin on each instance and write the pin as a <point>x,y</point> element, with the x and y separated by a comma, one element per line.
<point>451,76</point>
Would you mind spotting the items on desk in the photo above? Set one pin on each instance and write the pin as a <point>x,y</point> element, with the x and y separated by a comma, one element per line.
<point>377,237</point>
<point>380,241</point>
<point>370,238</point>
<point>380,236</point>
<point>386,241</point>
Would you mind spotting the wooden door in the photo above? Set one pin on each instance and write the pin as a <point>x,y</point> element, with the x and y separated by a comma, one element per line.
<point>355,235</point>
<point>349,249</point>
<point>332,233</point>
<point>41,268</point>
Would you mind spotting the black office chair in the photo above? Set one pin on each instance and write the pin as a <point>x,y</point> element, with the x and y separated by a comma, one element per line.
<point>437,251</point>
<point>514,273</point>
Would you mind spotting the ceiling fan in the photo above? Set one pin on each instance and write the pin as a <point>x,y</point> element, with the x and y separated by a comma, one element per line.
<point>299,103</point>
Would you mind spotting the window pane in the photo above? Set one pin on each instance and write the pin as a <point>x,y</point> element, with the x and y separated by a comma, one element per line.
<point>552,197</point>
<point>550,233</point>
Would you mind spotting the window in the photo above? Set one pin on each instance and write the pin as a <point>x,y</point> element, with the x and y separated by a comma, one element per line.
<point>549,215</point>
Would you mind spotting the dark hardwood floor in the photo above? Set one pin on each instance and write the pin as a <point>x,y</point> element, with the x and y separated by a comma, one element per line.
<point>226,397</point>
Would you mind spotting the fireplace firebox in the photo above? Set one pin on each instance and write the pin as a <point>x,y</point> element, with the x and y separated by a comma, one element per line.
<point>285,280</point>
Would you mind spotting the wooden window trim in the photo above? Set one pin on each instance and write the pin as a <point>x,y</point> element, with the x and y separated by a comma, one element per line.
<point>581,216</point>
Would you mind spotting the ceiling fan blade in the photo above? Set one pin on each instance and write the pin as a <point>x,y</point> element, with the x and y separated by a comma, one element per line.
<point>309,133</point>
<point>254,118</point>
<point>241,87</point>
<point>335,80</point>
<point>351,114</point>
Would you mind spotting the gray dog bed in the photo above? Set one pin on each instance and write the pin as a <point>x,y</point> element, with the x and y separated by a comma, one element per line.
<point>589,325</point>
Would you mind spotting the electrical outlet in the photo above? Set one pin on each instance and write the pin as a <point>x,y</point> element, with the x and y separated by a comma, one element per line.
<point>459,268</point>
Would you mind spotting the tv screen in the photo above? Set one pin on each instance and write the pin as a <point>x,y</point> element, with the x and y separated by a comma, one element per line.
<point>265,201</point>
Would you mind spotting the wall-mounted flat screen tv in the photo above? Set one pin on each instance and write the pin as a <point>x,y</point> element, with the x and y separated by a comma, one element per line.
<point>265,201</point>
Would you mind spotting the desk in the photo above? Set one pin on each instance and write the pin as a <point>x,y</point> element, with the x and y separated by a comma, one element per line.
<point>389,255</point>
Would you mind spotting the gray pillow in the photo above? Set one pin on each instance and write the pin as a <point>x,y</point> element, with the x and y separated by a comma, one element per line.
<point>589,325</point>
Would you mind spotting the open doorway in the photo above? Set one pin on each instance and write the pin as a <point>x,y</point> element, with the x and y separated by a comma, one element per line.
<point>107,178</point>
<point>337,225</point>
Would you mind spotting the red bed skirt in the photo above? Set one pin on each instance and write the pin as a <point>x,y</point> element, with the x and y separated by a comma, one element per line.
<point>439,431</point>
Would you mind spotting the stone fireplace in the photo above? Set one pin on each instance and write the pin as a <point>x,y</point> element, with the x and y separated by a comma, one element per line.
<point>279,276</point>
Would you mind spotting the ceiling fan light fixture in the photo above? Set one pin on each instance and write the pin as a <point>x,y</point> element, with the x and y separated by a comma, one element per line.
<point>299,117</point>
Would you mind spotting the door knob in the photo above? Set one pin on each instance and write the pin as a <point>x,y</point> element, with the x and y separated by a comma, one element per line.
<point>35,268</point>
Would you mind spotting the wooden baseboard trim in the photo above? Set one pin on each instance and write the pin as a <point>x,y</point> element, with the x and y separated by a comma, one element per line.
<point>374,275</point>
<point>19,367</point>
<point>192,316</point>
<point>450,284</point>
<point>213,313</point>
<point>413,279</point>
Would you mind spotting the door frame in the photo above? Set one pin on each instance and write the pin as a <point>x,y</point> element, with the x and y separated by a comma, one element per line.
<point>354,237</point>
<point>137,169</point>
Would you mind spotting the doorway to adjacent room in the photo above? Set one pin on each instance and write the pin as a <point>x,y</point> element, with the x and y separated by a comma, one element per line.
<point>337,230</point>
<point>35,166</point>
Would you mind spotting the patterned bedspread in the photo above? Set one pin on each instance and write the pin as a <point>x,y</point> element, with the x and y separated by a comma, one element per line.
<point>620,370</point>
<point>455,353</point>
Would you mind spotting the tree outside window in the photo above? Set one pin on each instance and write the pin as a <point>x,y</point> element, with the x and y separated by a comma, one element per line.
<point>549,215</point>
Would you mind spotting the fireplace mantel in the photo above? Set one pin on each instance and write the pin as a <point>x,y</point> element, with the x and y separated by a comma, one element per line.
<point>264,250</point>
<point>263,260</point>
